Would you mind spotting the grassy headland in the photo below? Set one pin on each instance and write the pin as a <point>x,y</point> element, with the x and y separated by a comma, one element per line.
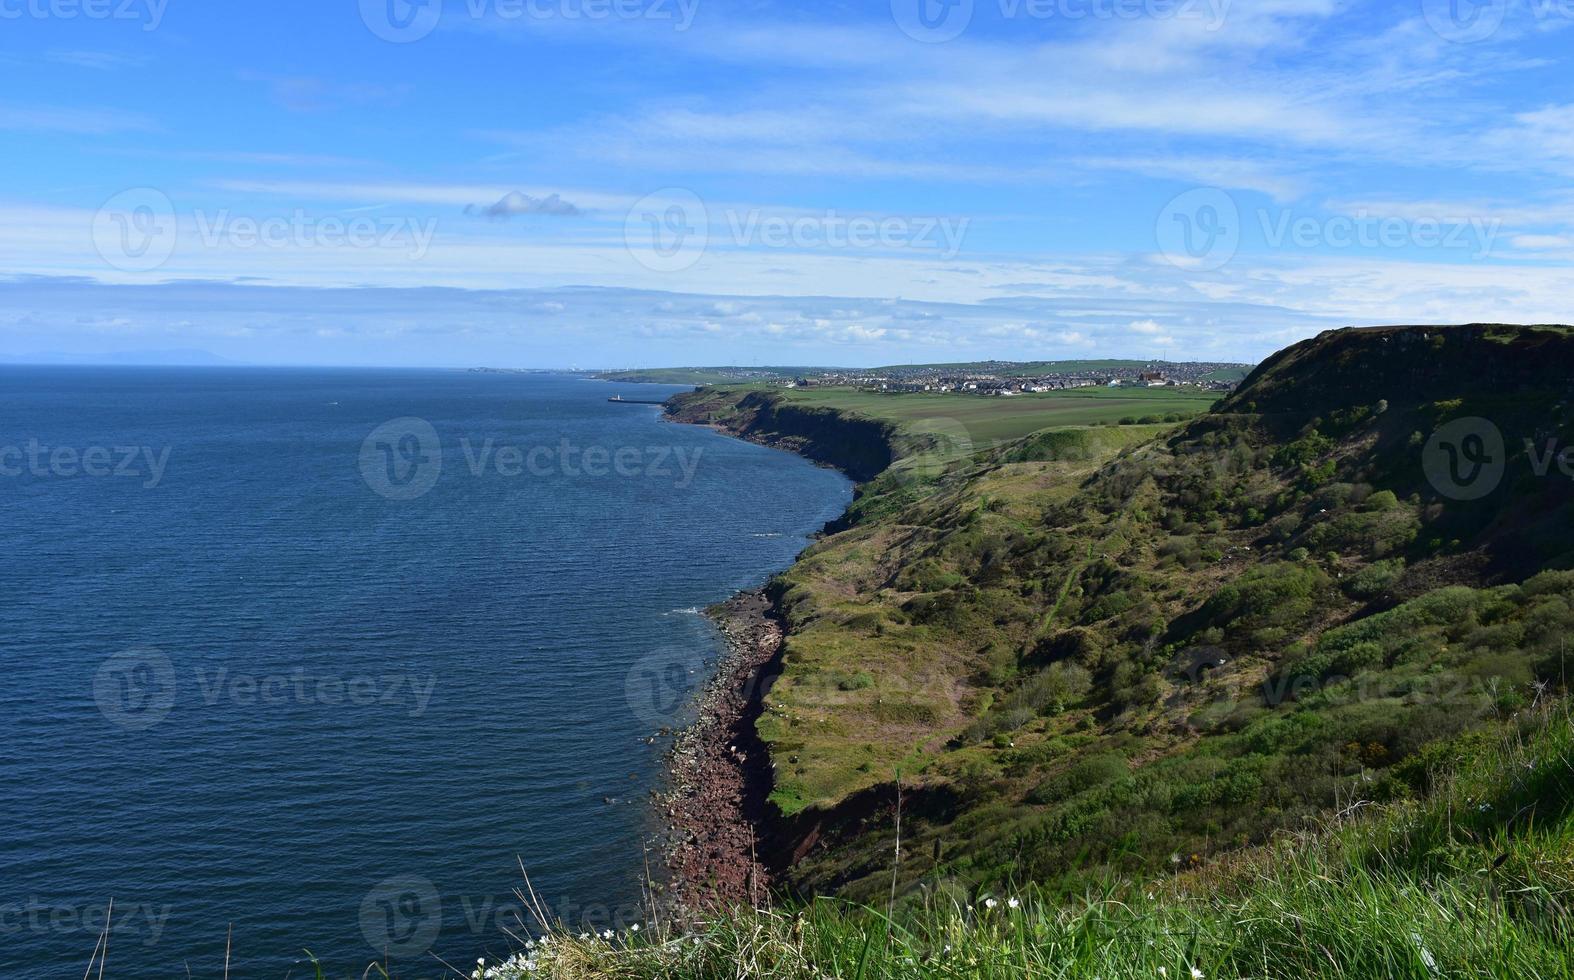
<point>1256,693</point>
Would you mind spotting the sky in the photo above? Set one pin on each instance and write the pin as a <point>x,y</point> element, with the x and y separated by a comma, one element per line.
<point>624,183</point>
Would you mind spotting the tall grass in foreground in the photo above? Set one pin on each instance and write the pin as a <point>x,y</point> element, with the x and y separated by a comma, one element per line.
<point>1476,881</point>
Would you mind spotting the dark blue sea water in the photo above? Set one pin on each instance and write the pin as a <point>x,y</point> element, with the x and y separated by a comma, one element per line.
<point>319,656</point>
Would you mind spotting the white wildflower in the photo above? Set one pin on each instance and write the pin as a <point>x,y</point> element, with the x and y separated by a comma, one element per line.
<point>1014,903</point>
<point>1196,974</point>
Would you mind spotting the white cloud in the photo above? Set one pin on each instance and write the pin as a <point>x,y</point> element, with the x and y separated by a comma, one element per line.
<point>87,122</point>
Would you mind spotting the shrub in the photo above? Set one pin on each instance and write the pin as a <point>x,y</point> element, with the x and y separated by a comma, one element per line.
<point>1052,689</point>
<point>1375,579</point>
<point>1096,770</point>
<point>1382,500</point>
<point>1277,595</point>
<point>857,682</point>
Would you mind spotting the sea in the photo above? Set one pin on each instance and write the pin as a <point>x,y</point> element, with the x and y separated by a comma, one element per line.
<point>311,668</point>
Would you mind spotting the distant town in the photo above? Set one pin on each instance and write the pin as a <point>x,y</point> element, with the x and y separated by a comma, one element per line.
<point>989,378</point>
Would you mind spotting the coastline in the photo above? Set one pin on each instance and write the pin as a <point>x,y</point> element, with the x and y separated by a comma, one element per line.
<point>714,810</point>
<point>718,770</point>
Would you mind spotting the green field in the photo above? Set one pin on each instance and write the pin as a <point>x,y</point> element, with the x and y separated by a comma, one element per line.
<point>973,423</point>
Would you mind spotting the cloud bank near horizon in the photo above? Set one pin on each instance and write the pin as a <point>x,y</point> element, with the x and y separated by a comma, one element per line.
<point>557,328</point>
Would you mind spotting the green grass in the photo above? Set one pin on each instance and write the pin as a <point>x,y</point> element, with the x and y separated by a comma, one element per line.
<point>977,422</point>
<point>1475,881</point>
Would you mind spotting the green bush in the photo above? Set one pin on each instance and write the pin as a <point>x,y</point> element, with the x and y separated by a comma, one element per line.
<point>1278,595</point>
<point>1374,580</point>
<point>1095,770</point>
<point>1051,690</point>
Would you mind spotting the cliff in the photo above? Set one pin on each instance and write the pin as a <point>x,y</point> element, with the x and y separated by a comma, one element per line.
<point>860,447</point>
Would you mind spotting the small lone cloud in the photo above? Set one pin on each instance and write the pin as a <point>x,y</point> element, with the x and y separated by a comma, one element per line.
<point>96,60</point>
<point>514,203</point>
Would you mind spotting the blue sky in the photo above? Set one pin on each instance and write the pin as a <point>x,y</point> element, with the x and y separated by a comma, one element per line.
<point>644,182</point>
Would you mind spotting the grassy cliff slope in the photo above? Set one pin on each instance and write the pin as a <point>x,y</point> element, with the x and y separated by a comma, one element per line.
<point>1476,881</point>
<point>1085,655</point>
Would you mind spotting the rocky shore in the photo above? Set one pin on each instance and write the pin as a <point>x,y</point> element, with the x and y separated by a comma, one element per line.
<point>719,770</point>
